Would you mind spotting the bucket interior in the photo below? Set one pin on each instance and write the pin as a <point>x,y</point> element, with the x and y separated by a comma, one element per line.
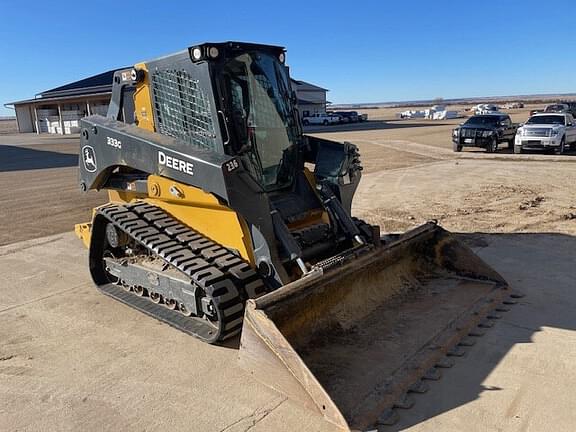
<point>370,329</point>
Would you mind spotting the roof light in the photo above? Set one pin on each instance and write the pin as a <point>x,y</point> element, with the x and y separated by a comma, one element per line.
<point>213,52</point>
<point>197,53</point>
<point>282,57</point>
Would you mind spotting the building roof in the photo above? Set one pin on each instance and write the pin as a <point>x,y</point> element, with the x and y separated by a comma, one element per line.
<point>303,85</point>
<point>58,98</point>
<point>102,84</point>
<point>95,85</point>
<point>307,102</point>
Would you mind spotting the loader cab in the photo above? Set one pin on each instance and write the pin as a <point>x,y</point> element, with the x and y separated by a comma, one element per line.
<point>259,123</point>
<point>256,109</point>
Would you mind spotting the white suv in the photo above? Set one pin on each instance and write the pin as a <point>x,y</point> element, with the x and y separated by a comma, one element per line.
<point>546,131</point>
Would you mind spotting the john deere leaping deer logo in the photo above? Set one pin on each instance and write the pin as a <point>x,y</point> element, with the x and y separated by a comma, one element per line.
<point>89,158</point>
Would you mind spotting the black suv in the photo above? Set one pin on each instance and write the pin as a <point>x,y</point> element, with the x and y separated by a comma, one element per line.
<point>571,107</point>
<point>557,108</point>
<point>485,131</point>
<point>348,116</point>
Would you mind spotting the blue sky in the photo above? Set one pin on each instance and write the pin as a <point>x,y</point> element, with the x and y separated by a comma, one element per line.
<point>363,51</point>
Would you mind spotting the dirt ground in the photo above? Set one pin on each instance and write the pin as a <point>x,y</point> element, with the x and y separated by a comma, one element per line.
<point>491,196</point>
<point>71,359</point>
<point>39,179</point>
<point>8,126</point>
<point>411,174</point>
<point>383,125</point>
<point>40,194</point>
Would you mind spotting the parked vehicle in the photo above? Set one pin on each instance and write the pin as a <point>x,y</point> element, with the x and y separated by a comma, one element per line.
<point>514,105</point>
<point>348,116</point>
<point>557,108</point>
<point>486,109</point>
<point>321,119</point>
<point>485,131</point>
<point>571,107</point>
<point>341,119</point>
<point>355,113</point>
<point>535,111</point>
<point>546,131</point>
<point>362,117</point>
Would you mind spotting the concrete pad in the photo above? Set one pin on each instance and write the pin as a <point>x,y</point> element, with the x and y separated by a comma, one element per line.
<point>520,375</point>
<point>72,359</point>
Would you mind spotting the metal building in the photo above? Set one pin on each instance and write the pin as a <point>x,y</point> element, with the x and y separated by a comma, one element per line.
<point>311,98</point>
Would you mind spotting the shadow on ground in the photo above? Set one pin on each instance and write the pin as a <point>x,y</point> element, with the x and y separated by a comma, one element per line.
<point>504,149</point>
<point>370,125</point>
<point>16,158</point>
<point>541,266</point>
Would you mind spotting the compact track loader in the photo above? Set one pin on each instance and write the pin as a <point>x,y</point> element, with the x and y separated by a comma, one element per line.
<point>225,218</point>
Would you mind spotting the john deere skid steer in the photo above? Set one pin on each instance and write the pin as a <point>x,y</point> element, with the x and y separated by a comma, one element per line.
<point>225,218</point>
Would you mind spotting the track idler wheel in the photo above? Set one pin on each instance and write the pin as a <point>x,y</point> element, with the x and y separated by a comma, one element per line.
<point>155,297</point>
<point>170,303</point>
<point>184,310</point>
<point>111,278</point>
<point>139,291</point>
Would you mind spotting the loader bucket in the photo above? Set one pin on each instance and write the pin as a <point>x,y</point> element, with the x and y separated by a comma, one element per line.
<point>349,342</point>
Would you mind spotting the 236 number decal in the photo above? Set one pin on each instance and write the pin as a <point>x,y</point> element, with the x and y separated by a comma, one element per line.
<point>232,165</point>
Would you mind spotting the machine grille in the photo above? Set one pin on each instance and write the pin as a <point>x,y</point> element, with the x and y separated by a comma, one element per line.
<point>183,109</point>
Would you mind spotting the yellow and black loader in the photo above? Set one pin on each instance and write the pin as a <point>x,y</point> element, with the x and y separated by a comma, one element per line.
<point>225,218</point>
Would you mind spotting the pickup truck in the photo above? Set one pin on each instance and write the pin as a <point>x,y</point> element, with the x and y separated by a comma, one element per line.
<point>320,119</point>
<point>557,108</point>
<point>546,131</point>
<point>487,131</point>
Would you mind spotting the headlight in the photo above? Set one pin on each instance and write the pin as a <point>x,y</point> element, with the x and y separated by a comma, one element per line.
<point>554,132</point>
<point>454,132</point>
<point>486,133</point>
<point>520,132</point>
<point>213,52</point>
<point>196,53</point>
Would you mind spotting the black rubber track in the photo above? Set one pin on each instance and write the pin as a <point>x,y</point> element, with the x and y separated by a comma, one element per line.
<point>225,278</point>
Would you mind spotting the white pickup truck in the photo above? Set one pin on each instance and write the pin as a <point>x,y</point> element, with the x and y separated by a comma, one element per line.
<point>320,119</point>
<point>546,131</point>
